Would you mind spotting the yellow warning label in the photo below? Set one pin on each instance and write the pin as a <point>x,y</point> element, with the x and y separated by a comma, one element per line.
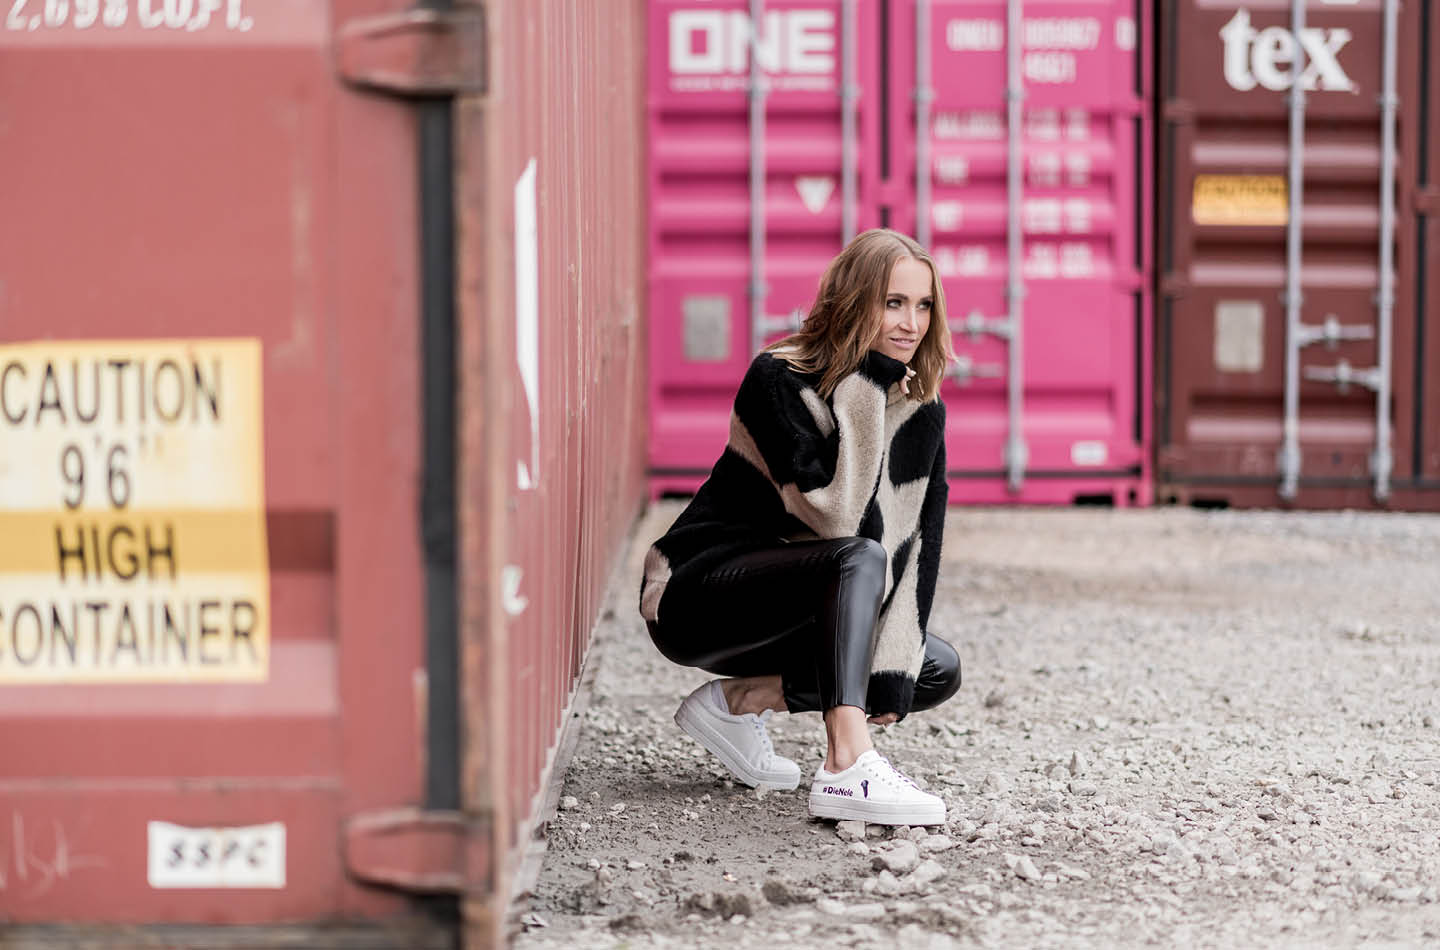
<point>1240,200</point>
<point>132,512</point>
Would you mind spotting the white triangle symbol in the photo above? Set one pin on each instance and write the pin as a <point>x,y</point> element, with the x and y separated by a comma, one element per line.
<point>815,191</point>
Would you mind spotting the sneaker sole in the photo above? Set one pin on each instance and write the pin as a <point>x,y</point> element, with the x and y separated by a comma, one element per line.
<point>701,731</point>
<point>874,813</point>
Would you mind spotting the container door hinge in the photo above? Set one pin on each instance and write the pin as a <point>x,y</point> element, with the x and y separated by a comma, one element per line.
<point>416,53</point>
<point>417,851</point>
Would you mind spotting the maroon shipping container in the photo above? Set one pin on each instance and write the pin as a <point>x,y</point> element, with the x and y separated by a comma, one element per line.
<point>395,431</point>
<point>1288,372</point>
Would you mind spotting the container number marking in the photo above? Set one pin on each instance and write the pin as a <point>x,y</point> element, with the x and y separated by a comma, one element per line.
<point>188,15</point>
<point>248,857</point>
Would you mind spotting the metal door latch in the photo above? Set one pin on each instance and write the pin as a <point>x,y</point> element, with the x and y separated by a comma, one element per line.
<point>1331,332</point>
<point>975,324</point>
<point>1343,375</point>
<point>964,369</point>
<point>414,53</point>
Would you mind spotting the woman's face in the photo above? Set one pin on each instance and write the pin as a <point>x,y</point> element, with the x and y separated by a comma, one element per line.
<point>907,310</point>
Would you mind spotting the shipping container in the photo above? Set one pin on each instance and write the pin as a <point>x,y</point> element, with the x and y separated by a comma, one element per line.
<point>1023,165</point>
<point>1299,322</point>
<point>321,381</point>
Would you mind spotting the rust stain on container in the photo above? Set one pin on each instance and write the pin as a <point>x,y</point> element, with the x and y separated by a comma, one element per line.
<point>1225,74</point>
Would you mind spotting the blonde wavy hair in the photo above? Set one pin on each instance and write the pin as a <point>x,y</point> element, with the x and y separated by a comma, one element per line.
<point>849,311</point>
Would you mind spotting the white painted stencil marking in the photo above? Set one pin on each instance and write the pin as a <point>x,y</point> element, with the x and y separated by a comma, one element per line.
<point>248,857</point>
<point>510,597</point>
<point>815,191</point>
<point>527,317</point>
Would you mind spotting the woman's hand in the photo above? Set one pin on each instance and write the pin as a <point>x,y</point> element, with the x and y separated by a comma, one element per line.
<point>905,383</point>
<point>889,719</point>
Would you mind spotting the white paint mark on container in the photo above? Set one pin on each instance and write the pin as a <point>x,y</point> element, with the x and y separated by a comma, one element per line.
<point>511,599</point>
<point>815,191</point>
<point>1090,453</point>
<point>527,317</point>
<point>242,857</point>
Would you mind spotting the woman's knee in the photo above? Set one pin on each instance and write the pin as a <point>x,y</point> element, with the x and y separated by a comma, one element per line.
<point>862,557</point>
<point>940,674</point>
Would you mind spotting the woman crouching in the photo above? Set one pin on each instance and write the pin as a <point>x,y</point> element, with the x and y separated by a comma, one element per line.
<point>804,568</point>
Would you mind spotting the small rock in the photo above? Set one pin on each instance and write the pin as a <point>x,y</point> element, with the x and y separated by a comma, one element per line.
<point>850,830</point>
<point>995,698</point>
<point>634,865</point>
<point>532,921</point>
<point>617,808</point>
<point>1079,765</point>
<point>628,922</point>
<point>1403,895</point>
<point>897,856</point>
<point>874,831</point>
<point>1083,787</point>
<point>593,864</point>
<point>1100,722</point>
<point>584,827</point>
<point>874,911</point>
<point>928,872</point>
<point>780,894</point>
<point>1078,874</point>
<point>1428,722</point>
<point>996,784</point>
<point>1026,870</point>
<point>887,884</point>
<point>934,844</point>
<point>829,905</point>
<point>569,802</point>
<point>728,905</point>
<point>858,847</point>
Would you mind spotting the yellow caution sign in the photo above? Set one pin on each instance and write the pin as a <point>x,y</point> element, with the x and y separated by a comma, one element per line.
<point>132,512</point>
<point>1245,200</point>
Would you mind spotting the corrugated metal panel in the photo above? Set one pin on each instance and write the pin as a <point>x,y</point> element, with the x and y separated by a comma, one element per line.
<point>701,203</point>
<point>1082,203</point>
<point>199,176</point>
<point>1085,142</point>
<point>552,367</point>
<point>1227,190</point>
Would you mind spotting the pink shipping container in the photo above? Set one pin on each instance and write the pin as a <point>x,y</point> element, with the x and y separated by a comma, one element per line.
<point>1030,164</point>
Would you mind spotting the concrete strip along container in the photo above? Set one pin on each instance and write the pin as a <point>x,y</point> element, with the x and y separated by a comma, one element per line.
<point>1299,320</point>
<point>854,115</point>
<point>234,599</point>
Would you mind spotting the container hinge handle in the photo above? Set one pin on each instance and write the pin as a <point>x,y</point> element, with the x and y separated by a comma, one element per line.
<point>1343,375</point>
<point>975,325</point>
<point>416,53</point>
<point>416,851</point>
<point>964,369</point>
<point>1331,331</point>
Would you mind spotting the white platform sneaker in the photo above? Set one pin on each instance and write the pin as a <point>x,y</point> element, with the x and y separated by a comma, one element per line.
<point>872,791</point>
<point>741,742</point>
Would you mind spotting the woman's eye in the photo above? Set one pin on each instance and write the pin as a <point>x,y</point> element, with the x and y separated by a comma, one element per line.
<point>893,304</point>
<point>925,305</point>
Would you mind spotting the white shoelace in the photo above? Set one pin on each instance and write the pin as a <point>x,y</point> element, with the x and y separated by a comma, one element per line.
<point>759,722</point>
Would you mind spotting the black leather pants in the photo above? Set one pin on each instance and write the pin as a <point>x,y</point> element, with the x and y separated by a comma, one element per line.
<point>806,611</point>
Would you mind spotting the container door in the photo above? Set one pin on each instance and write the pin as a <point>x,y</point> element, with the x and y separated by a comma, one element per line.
<point>716,290</point>
<point>1249,300</point>
<point>1045,407</point>
<point>209,589</point>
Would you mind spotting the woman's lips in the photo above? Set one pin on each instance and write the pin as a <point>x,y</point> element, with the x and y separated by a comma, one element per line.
<point>901,342</point>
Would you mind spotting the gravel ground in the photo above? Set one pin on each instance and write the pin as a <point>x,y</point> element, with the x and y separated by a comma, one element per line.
<point>1178,728</point>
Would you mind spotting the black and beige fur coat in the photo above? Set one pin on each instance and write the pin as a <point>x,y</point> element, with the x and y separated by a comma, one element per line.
<point>867,462</point>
